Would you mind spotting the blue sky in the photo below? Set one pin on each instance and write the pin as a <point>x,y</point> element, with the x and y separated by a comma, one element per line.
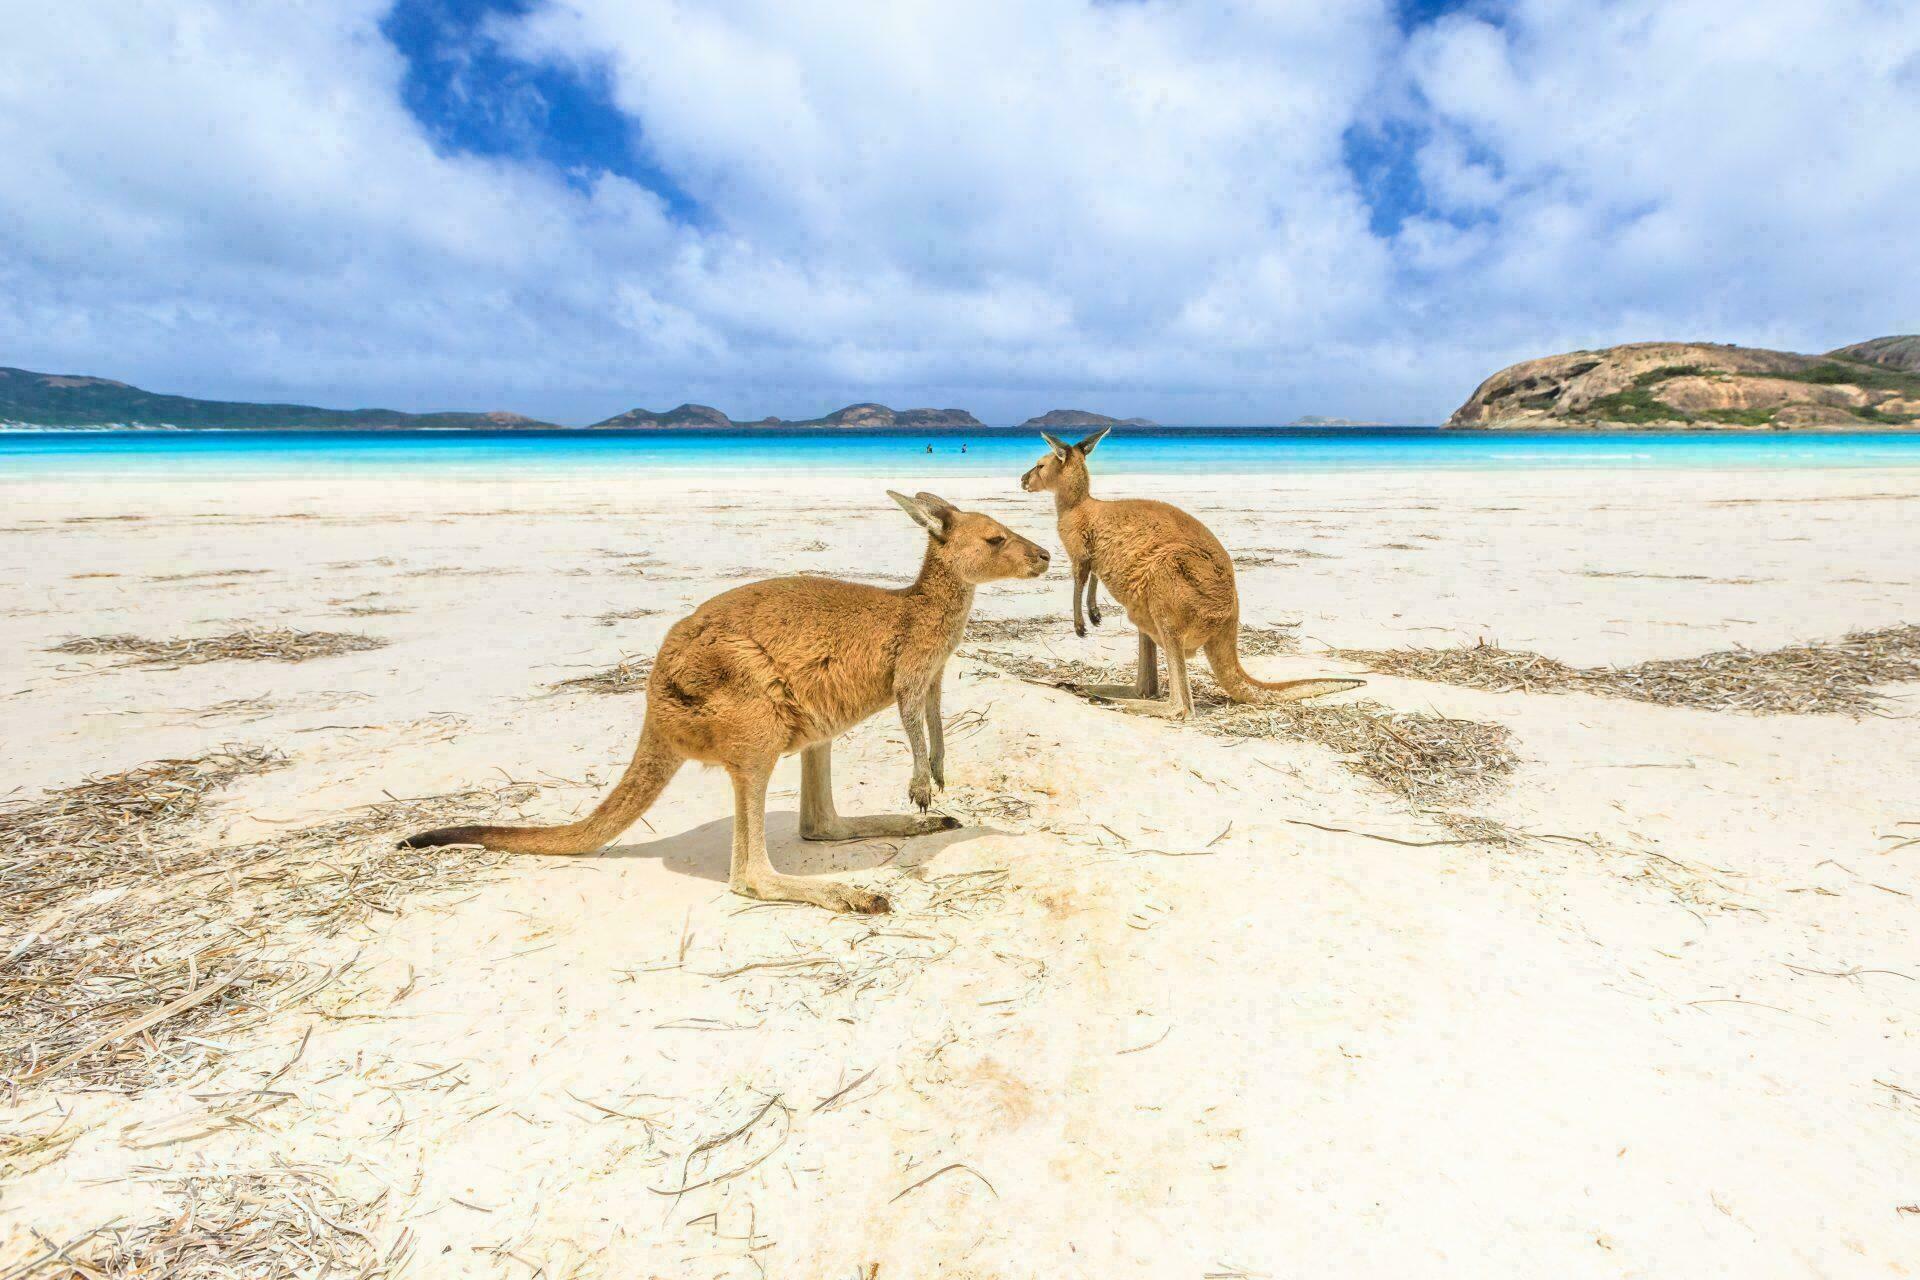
<point>1199,213</point>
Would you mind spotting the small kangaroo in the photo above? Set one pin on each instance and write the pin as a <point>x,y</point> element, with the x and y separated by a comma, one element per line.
<point>788,665</point>
<point>1171,575</point>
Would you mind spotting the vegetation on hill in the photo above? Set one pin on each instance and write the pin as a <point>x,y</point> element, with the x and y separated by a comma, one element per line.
<point>686,415</point>
<point>1697,385</point>
<point>1081,418</point>
<point>56,400</point>
<point>1900,353</point>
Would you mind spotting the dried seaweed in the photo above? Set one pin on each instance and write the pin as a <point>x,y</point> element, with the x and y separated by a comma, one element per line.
<point>126,934</point>
<point>998,630</point>
<point>1424,758</point>
<point>259,644</point>
<point>1834,677</point>
<point>629,675</point>
<point>204,574</point>
<point>1417,756</point>
<point>613,616</point>
<point>1269,642</point>
<point>287,1221</point>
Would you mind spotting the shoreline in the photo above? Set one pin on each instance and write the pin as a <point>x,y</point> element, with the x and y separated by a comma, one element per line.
<point>775,477</point>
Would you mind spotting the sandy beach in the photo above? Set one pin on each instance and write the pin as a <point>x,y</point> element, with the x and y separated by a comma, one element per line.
<point>1175,1001</point>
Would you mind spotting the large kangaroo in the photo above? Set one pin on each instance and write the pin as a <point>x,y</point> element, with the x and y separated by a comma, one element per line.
<point>1172,576</point>
<point>787,665</point>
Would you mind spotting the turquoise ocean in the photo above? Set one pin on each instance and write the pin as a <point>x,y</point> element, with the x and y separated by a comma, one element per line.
<point>101,455</point>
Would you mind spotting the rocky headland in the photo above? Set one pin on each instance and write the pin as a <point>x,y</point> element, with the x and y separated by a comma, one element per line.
<point>1705,386</point>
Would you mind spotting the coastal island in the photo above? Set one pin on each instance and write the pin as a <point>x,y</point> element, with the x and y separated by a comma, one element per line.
<point>1056,418</point>
<point>866,416</point>
<point>1704,386</point>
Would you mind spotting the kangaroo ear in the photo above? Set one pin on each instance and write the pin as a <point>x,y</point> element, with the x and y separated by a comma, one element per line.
<point>926,519</point>
<point>937,505</point>
<point>1087,444</point>
<point>1060,449</point>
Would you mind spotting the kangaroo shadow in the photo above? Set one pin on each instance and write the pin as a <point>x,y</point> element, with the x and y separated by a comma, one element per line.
<point>706,851</point>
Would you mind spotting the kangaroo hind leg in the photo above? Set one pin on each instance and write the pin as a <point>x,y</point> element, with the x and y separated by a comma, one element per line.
<point>1143,700</point>
<point>1146,676</point>
<point>819,820</point>
<point>752,874</point>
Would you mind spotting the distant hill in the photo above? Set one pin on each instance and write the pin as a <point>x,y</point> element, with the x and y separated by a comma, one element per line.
<point>686,415</point>
<point>871,416</point>
<point>70,400</point>
<point>1081,418</point>
<point>1901,353</point>
<point>880,416</point>
<point>61,400</point>
<point>1315,420</point>
<point>1699,385</point>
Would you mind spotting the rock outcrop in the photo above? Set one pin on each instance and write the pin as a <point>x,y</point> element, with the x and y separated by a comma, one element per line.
<point>1901,354</point>
<point>1694,385</point>
<point>1081,418</point>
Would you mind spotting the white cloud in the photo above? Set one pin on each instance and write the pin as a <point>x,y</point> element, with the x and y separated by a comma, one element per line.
<point>1734,172</point>
<point>1006,205</point>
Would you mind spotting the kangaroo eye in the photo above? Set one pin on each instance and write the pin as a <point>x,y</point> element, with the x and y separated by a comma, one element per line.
<point>996,539</point>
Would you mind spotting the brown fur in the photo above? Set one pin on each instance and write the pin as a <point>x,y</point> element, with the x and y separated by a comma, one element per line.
<point>785,666</point>
<point>1171,575</point>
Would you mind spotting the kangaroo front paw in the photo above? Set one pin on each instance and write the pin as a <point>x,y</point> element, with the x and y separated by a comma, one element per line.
<point>1093,616</point>
<point>1080,629</point>
<point>920,791</point>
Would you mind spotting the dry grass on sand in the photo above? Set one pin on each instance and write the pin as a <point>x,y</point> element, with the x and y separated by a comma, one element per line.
<point>257,644</point>
<point>629,675</point>
<point>614,616</point>
<point>1002,630</point>
<point>1836,676</point>
<point>286,1221</point>
<point>126,935</point>
<point>1426,759</point>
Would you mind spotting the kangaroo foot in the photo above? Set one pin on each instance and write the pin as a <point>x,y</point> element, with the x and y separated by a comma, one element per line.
<point>1108,692</point>
<point>1149,707</point>
<point>831,894</point>
<point>880,824</point>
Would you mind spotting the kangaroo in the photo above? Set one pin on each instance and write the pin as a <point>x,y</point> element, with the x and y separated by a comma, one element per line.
<point>787,665</point>
<point>1171,575</point>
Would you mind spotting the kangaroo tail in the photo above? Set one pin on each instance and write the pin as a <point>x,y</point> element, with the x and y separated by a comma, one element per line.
<point>653,766</point>
<point>1223,655</point>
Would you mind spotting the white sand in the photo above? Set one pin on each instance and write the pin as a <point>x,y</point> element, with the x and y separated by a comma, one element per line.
<point>1302,1053</point>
